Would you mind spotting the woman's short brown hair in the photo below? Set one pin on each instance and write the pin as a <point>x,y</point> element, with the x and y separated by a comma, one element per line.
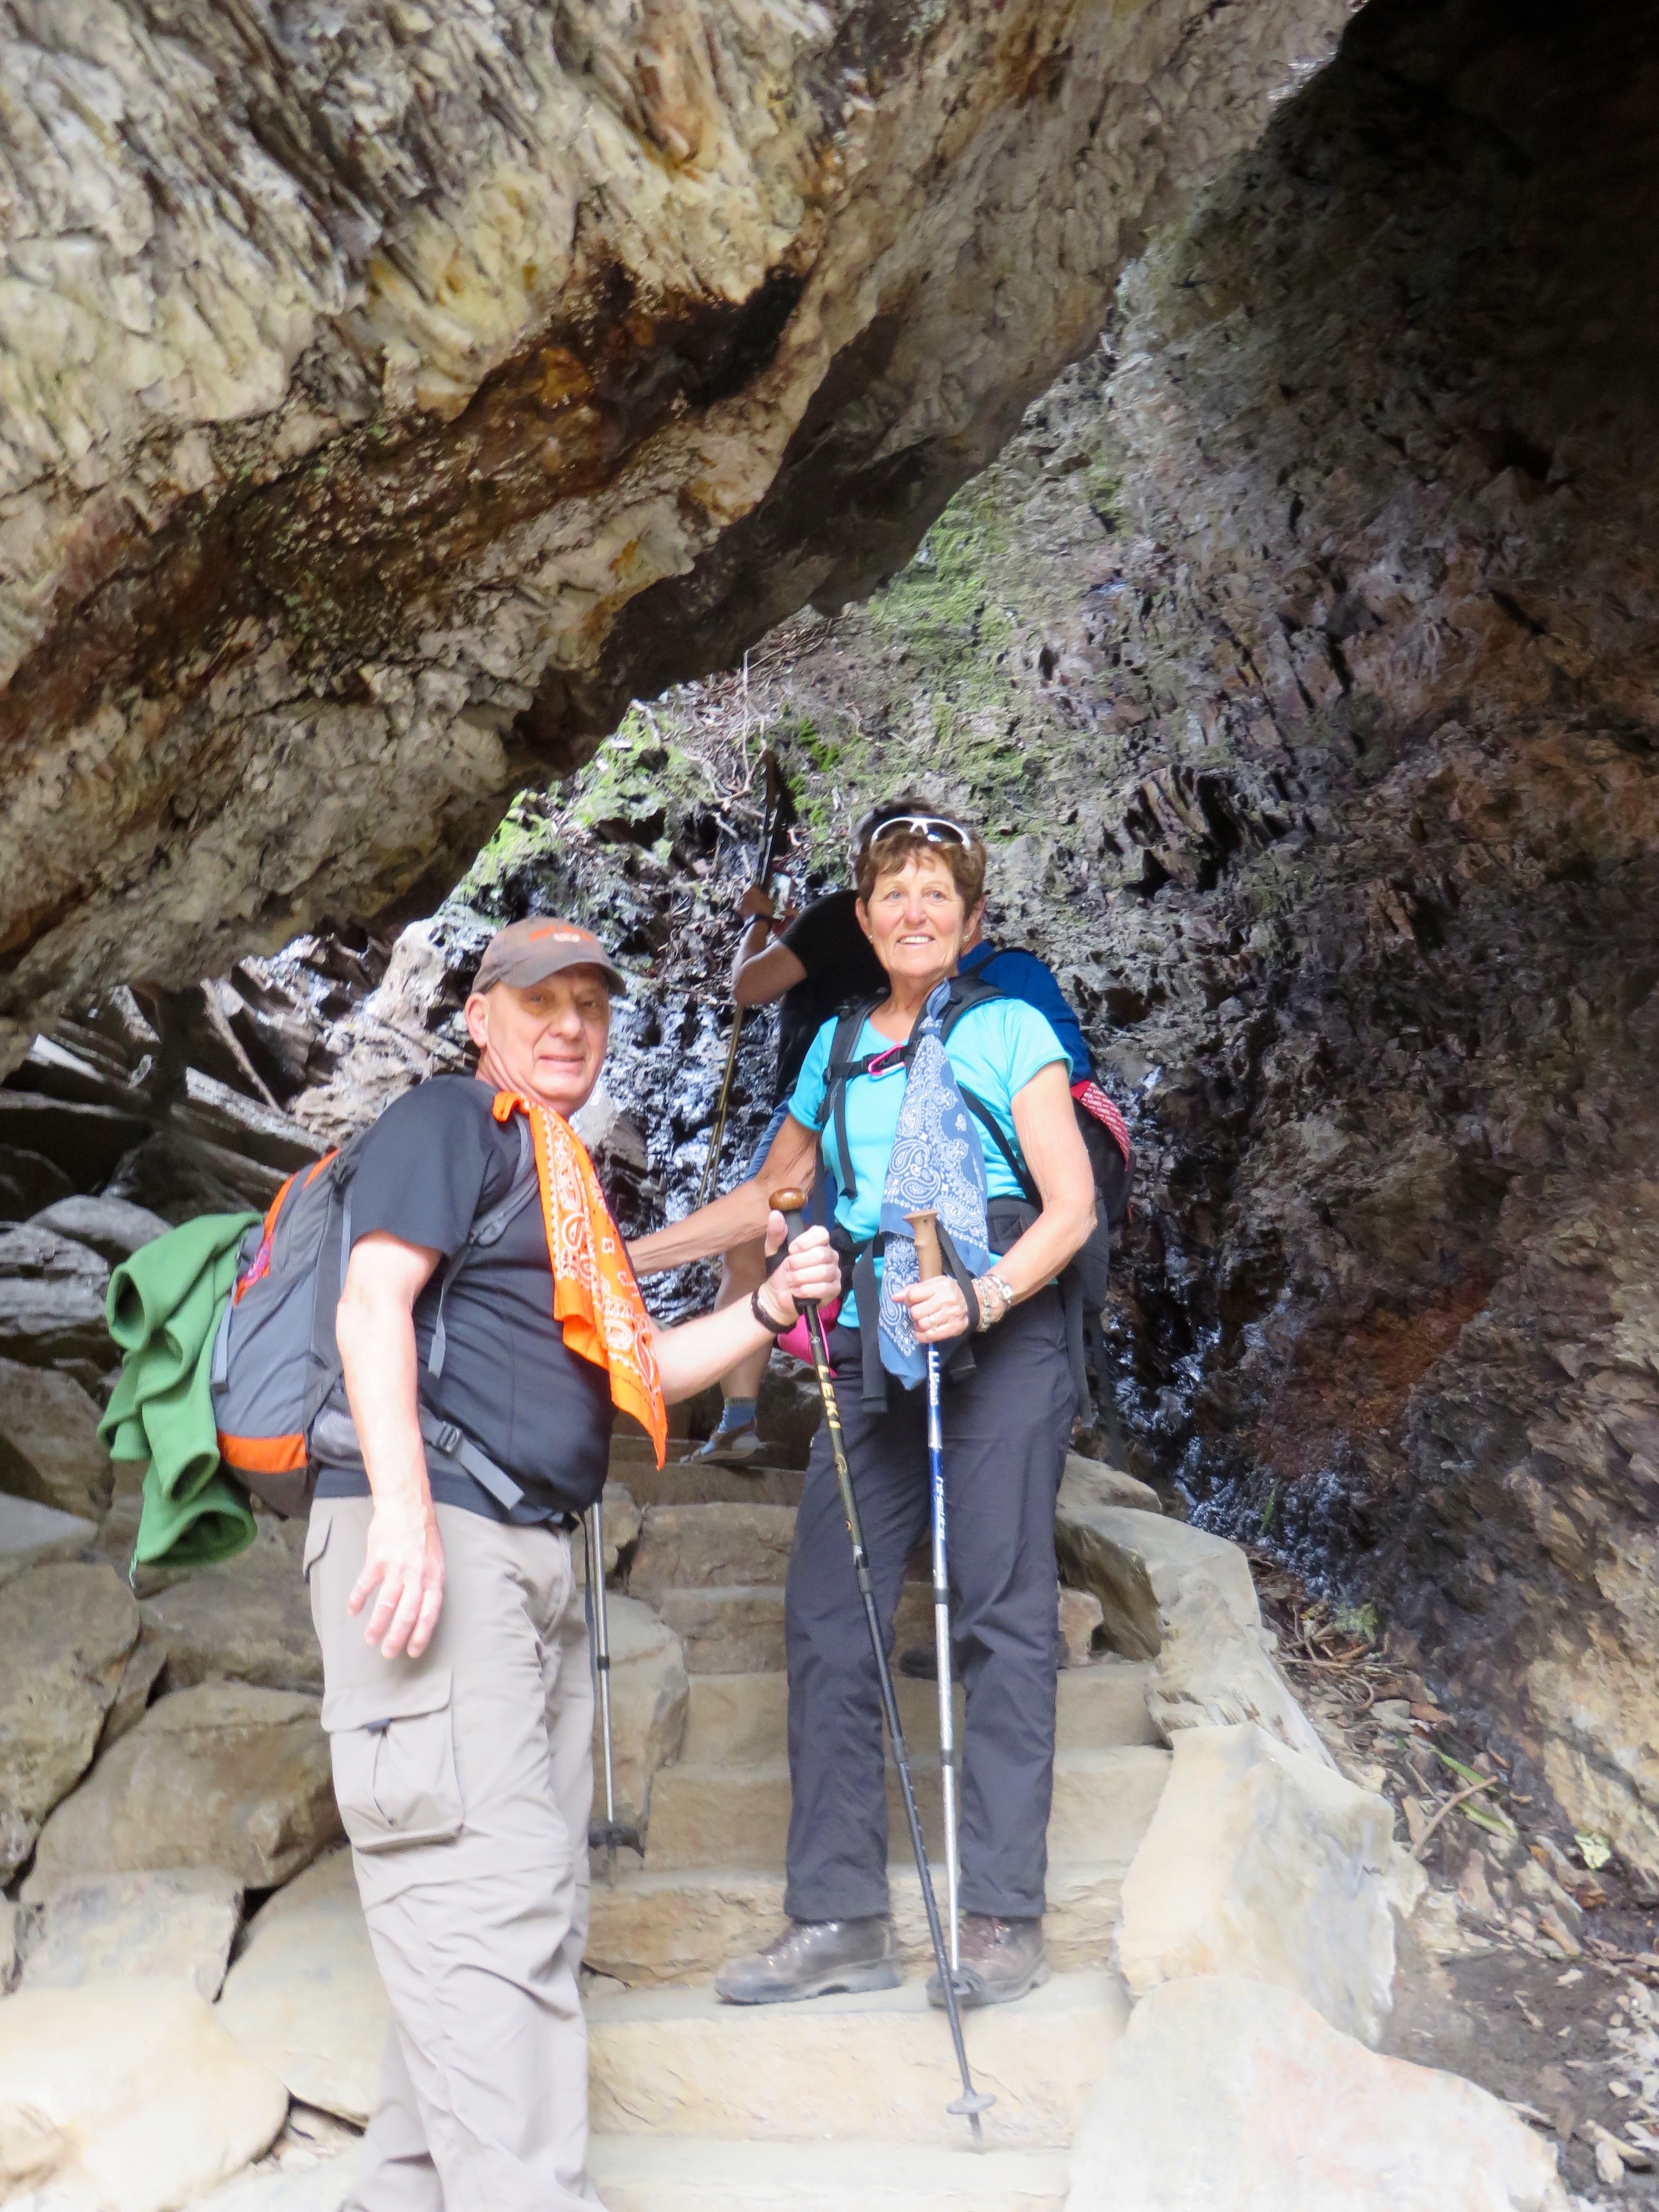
<point>873,860</point>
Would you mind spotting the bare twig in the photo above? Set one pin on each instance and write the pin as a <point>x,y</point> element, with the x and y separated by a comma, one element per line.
<point>1488,1781</point>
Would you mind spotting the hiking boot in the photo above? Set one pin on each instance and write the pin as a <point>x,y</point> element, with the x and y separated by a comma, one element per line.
<point>1001,1960</point>
<point>734,1445</point>
<point>814,1958</point>
<point>920,1662</point>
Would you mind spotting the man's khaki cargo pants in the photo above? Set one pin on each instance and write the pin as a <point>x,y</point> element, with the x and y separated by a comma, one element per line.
<point>464,1779</point>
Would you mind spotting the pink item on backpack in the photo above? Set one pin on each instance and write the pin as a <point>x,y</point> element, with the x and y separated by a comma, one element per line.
<point>794,1339</point>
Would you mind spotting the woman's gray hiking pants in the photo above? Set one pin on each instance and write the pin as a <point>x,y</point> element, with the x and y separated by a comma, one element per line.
<point>1006,1428</point>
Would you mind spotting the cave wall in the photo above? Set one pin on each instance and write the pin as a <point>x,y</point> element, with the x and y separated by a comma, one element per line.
<point>1391,403</point>
<point>389,391</point>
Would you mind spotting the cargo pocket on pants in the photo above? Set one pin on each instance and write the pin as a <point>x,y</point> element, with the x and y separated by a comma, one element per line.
<point>393,1746</point>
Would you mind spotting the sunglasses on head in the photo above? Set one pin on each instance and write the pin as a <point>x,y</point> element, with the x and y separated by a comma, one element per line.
<point>935,828</point>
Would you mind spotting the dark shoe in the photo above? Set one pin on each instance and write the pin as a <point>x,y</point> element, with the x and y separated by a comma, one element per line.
<point>920,1661</point>
<point>814,1958</point>
<point>1001,1960</point>
<point>731,1446</point>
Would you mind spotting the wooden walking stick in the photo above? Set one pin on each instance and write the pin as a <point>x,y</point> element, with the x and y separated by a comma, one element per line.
<point>774,818</point>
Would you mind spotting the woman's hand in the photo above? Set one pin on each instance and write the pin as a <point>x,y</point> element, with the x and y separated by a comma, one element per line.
<point>939,1311</point>
<point>810,1274</point>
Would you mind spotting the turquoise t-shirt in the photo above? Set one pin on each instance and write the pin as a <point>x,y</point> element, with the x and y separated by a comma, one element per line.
<point>995,1049</point>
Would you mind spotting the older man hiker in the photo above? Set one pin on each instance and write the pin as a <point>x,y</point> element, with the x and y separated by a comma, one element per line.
<point>886,1112</point>
<point>489,1330</point>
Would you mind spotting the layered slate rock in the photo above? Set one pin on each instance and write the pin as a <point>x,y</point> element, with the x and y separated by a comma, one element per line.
<point>176,1925</point>
<point>305,1996</point>
<point>109,1226</point>
<point>52,1298</point>
<point>245,1620</point>
<point>1135,1563</point>
<point>223,1775</point>
<point>1211,1671</point>
<point>408,412</point>
<point>65,1633</point>
<point>1232,2091</point>
<point>32,1536</point>
<point>129,2096</point>
<point>1262,1862</point>
<point>49,1447</point>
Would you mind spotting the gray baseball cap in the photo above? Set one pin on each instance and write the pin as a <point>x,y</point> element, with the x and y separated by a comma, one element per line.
<point>526,952</point>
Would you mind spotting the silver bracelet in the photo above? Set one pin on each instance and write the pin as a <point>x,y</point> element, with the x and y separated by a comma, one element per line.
<point>1004,1298</point>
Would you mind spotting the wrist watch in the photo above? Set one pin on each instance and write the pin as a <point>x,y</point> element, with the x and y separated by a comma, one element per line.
<point>767,1320</point>
<point>994,1307</point>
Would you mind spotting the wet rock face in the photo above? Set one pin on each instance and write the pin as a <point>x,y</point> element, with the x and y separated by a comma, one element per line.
<point>387,395</point>
<point>1387,404</point>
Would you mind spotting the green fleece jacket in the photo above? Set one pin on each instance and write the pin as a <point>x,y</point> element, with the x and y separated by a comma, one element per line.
<point>163,1311</point>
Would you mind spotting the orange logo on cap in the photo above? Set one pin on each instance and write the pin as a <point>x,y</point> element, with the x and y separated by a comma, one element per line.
<point>555,929</point>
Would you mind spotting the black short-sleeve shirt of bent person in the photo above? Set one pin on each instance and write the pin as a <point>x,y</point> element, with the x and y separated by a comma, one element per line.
<point>436,1160</point>
<point>842,971</point>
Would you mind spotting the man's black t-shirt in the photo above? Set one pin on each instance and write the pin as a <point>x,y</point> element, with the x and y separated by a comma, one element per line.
<point>840,970</point>
<point>434,1161</point>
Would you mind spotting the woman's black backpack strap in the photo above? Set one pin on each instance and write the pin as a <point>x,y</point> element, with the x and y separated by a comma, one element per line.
<point>841,1069</point>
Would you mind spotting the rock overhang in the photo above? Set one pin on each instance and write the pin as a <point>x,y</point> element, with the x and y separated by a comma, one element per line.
<point>392,397</point>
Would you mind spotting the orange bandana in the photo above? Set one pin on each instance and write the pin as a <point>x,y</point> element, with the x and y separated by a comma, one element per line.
<point>595,1296</point>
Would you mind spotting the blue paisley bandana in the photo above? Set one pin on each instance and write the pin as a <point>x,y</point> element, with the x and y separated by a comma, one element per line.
<point>936,1163</point>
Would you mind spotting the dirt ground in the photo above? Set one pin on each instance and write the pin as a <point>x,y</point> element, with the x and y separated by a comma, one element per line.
<point>1523,1968</point>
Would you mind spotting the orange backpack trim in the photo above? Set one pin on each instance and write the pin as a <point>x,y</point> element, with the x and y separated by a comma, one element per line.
<point>262,1455</point>
<point>262,1258</point>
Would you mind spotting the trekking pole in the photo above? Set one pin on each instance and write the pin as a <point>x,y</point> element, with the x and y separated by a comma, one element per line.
<point>774,814</point>
<point>606,1834</point>
<point>972,2102</point>
<point>924,1227</point>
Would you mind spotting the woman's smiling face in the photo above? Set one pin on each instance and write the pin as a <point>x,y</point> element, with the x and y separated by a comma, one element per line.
<point>915,920</point>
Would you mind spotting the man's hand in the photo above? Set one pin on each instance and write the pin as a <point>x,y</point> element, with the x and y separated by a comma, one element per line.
<point>404,1558</point>
<point>939,1311</point>
<point>810,1275</point>
<point>756,904</point>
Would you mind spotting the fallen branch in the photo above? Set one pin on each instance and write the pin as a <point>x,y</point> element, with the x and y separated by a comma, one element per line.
<point>1487,1782</point>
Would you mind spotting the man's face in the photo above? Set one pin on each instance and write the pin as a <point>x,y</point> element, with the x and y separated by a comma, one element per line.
<point>546,1040</point>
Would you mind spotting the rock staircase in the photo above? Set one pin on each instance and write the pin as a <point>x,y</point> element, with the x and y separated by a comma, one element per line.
<point>841,2102</point>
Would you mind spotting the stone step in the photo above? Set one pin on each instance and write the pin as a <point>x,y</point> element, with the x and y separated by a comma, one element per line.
<point>655,1929</point>
<point>698,1483</point>
<point>744,1718</point>
<point>676,2062</point>
<point>702,1482</point>
<point>739,1817</point>
<point>722,1545</point>
<point>730,1631</point>
<point>681,2174</point>
<point>738,1629</point>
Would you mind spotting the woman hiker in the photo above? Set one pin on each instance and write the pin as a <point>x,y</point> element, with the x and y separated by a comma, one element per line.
<point>897,1137</point>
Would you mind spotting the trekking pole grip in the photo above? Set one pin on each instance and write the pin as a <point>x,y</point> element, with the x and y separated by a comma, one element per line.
<point>924,1227</point>
<point>792,1205</point>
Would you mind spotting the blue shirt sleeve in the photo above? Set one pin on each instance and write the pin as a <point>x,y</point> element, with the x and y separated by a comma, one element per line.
<point>1029,1044</point>
<point>1023,977</point>
<point>807,1100</point>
